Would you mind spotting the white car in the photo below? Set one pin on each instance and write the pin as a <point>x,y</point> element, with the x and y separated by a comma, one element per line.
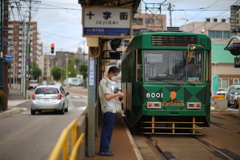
<point>233,95</point>
<point>223,92</point>
<point>49,97</point>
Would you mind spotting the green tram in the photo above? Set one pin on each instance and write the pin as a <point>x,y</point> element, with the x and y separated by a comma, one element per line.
<point>166,78</point>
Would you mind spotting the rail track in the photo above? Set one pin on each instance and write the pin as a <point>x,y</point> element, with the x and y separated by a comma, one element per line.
<point>205,150</point>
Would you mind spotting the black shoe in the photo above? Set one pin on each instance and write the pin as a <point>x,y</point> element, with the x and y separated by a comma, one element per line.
<point>108,153</point>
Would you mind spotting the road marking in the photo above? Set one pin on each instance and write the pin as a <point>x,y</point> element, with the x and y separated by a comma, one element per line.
<point>82,108</point>
<point>76,96</point>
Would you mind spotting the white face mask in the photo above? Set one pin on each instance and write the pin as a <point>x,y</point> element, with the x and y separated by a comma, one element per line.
<point>114,77</point>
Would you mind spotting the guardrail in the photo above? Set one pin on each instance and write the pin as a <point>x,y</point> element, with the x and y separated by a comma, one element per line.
<point>63,143</point>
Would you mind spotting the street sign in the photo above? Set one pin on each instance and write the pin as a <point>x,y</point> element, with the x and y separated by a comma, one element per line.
<point>28,60</point>
<point>8,58</point>
<point>107,21</point>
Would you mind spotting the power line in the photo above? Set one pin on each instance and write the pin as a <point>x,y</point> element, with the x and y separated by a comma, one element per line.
<point>204,10</point>
<point>59,35</point>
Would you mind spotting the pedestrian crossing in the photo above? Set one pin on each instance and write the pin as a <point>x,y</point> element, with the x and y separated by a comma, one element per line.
<point>77,97</point>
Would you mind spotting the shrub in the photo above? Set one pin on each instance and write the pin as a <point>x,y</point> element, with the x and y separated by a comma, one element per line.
<point>2,101</point>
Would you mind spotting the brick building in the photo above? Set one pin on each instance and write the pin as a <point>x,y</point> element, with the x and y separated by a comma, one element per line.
<point>16,40</point>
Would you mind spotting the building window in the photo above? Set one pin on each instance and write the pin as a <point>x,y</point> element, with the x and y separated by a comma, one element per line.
<point>135,32</point>
<point>223,83</point>
<point>158,21</point>
<point>219,34</point>
<point>236,81</point>
<point>137,21</point>
<point>149,21</point>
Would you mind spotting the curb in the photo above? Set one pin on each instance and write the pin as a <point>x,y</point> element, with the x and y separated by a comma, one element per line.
<point>10,112</point>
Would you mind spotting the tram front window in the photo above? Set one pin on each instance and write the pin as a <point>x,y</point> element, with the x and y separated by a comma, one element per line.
<point>173,65</point>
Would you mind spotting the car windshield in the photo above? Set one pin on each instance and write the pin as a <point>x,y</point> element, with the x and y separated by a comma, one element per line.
<point>46,90</point>
<point>173,65</point>
<point>237,90</point>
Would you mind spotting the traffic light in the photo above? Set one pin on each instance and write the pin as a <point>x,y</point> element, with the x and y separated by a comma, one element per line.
<point>52,48</point>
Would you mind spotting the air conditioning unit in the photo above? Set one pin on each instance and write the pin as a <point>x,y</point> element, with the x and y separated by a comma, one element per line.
<point>215,19</point>
<point>208,20</point>
<point>223,20</point>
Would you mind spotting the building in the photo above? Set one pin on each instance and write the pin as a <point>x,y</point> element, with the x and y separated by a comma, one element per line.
<point>17,37</point>
<point>222,61</point>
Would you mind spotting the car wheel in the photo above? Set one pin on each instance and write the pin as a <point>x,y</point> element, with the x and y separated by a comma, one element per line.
<point>228,103</point>
<point>62,110</point>
<point>235,104</point>
<point>66,109</point>
<point>33,112</point>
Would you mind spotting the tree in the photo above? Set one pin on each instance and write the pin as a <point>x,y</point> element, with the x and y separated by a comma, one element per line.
<point>57,73</point>
<point>35,71</point>
<point>83,70</point>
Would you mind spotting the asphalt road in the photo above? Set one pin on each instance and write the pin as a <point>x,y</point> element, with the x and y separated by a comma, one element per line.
<point>33,137</point>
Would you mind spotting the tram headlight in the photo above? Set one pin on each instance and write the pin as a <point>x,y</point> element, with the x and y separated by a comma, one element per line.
<point>194,105</point>
<point>154,105</point>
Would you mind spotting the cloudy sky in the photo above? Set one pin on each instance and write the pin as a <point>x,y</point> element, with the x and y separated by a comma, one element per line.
<point>59,21</point>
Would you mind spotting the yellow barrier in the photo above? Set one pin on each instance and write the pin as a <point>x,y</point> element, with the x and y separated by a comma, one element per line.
<point>219,96</point>
<point>63,143</point>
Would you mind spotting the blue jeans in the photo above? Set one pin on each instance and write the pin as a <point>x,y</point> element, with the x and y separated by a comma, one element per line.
<point>107,130</point>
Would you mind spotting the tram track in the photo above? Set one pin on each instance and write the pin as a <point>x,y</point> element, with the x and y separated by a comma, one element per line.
<point>157,150</point>
<point>212,147</point>
<point>210,151</point>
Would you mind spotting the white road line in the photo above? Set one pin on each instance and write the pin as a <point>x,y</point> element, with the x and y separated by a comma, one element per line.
<point>82,108</point>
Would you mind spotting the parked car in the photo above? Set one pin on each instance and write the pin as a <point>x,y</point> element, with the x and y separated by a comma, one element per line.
<point>44,82</point>
<point>49,97</point>
<point>233,95</point>
<point>224,92</point>
<point>32,84</point>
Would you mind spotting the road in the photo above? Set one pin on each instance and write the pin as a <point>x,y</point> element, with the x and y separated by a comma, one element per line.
<point>32,137</point>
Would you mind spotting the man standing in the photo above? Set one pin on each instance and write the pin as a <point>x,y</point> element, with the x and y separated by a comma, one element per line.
<point>108,105</point>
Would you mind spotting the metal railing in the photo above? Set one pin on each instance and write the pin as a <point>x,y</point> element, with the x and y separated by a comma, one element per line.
<point>63,143</point>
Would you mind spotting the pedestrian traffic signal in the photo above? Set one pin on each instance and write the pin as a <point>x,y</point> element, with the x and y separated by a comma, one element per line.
<point>52,48</point>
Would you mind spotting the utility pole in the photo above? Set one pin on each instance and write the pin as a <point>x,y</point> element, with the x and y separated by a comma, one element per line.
<point>28,46</point>
<point>170,13</point>
<point>4,47</point>
<point>66,68</point>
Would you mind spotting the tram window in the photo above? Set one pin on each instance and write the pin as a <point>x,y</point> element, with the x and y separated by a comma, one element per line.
<point>138,65</point>
<point>172,65</point>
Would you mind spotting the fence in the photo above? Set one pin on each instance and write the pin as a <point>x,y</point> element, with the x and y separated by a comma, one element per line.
<point>76,127</point>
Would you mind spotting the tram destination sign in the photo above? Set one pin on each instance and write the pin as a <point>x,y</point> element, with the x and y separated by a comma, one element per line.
<point>107,21</point>
<point>173,40</point>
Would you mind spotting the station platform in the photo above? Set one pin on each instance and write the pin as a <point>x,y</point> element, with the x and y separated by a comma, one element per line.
<point>122,144</point>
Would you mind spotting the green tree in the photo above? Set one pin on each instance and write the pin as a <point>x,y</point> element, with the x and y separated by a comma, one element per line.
<point>83,70</point>
<point>57,73</point>
<point>35,71</point>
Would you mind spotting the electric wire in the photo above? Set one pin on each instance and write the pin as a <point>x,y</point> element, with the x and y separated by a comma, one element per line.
<point>59,35</point>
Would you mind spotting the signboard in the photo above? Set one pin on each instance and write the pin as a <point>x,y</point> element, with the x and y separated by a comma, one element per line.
<point>91,79</point>
<point>173,40</point>
<point>8,58</point>
<point>215,83</point>
<point>107,21</point>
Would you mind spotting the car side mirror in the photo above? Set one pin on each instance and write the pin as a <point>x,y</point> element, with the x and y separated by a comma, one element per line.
<point>67,94</point>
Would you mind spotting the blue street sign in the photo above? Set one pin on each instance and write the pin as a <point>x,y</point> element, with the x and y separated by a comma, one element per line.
<point>8,58</point>
<point>28,60</point>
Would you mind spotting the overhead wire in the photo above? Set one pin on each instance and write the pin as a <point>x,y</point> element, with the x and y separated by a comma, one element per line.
<point>59,35</point>
<point>204,10</point>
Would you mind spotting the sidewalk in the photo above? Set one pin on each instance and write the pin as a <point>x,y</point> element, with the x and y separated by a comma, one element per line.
<point>15,98</point>
<point>122,144</point>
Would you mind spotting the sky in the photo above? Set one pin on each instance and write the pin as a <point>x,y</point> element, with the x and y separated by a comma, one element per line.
<point>60,21</point>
